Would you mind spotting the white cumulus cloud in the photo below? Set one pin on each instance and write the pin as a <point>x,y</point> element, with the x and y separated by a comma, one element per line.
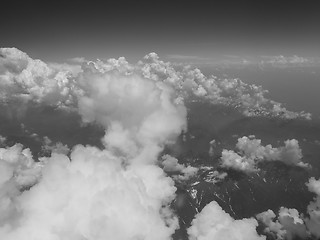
<point>60,84</point>
<point>250,152</point>
<point>181,171</point>
<point>91,196</point>
<point>290,224</point>
<point>115,193</point>
<point>313,221</point>
<point>120,192</point>
<point>214,223</point>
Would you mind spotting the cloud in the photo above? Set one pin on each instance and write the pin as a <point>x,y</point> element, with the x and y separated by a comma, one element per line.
<point>214,223</point>
<point>179,59</point>
<point>290,224</point>
<point>91,196</point>
<point>18,171</point>
<point>287,225</point>
<point>242,62</point>
<point>118,192</point>
<point>290,153</point>
<point>50,147</point>
<point>139,115</point>
<point>178,56</point>
<point>59,84</point>
<point>313,221</point>
<point>181,171</point>
<point>230,159</point>
<point>25,78</point>
<point>282,61</point>
<point>314,185</point>
<point>213,176</point>
<point>17,165</point>
<point>115,193</point>
<point>273,227</point>
<point>251,152</point>
<point>77,60</point>
<point>190,83</point>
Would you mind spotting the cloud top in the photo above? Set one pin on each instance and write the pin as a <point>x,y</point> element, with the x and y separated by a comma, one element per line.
<point>61,84</point>
<point>250,152</point>
<point>214,223</point>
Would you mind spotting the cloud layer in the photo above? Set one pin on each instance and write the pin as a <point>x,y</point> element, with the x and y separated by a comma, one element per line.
<point>121,191</point>
<point>115,193</point>
<point>61,84</point>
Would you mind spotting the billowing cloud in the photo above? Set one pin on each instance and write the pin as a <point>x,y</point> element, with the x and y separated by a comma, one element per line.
<point>17,165</point>
<point>287,225</point>
<point>291,221</point>
<point>272,227</point>
<point>119,192</point>
<point>115,193</point>
<point>91,196</point>
<point>180,171</point>
<point>251,152</point>
<point>140,115</point>
<point>290,224</point>
<point>50,147</point>
<point>18,171</point>
<point>214,223</point>
<point>313,221</point>
<point>231,159</point>
<point>61,84</point>
<point>314,186</point>
<point>25,78</point>
<point>249,99</point>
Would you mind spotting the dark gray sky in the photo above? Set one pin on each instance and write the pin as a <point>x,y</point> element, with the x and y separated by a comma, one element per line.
<point>206,29</point>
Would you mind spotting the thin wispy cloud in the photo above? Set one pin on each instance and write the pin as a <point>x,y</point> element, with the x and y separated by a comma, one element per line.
<point>187,57</point>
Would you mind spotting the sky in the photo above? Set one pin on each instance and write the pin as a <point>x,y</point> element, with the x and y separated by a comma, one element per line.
<point>176,30</point>
<point>155,125</point>
<point>127,188</point>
